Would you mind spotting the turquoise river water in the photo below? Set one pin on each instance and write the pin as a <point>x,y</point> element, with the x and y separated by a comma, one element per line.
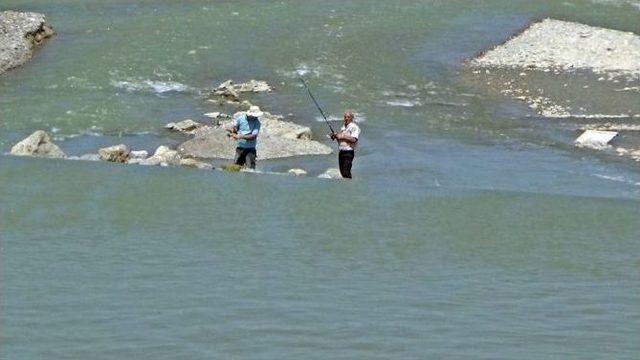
<point>473,229</point>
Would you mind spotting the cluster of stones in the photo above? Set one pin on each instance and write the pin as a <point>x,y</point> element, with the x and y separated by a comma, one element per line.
<point>20,34</point>
<point>39,144</point>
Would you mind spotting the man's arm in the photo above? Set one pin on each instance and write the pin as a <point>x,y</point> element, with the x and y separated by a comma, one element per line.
<point>345,137</point>
<point>247,137</point>
<point>250,137</point>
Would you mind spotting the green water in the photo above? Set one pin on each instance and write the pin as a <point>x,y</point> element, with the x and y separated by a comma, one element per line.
<point>473,230</point>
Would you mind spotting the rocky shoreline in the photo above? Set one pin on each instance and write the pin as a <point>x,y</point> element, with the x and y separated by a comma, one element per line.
<point>20,34</point>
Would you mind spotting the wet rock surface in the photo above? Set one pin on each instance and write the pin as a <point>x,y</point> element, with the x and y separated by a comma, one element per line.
<point>20,34</point>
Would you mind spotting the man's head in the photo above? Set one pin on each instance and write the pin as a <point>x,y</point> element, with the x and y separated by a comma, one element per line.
<point>348,117</point>
<point>254,112</point>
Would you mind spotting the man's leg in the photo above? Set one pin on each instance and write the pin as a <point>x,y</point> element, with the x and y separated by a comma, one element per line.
<point>345,160</point>
<point>240,156</point>
<point>251,157</point>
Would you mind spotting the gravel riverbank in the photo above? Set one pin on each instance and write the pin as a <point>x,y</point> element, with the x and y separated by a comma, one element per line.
<point>20,34</point>
<point>583,75</point>
<point>562,45</point>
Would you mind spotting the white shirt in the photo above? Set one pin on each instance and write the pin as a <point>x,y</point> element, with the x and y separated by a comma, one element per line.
<point>352,130</point>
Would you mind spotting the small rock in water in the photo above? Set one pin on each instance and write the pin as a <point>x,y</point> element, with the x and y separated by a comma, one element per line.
<point>37,144</point>
<point>187,126</point>
<point>116,153</point>
<point>297,172</point>
<point>595,139</point>
<point>196,164</point>
<point>332,173</point>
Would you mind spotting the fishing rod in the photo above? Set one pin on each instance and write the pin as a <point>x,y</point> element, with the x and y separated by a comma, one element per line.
<point>333,133</point>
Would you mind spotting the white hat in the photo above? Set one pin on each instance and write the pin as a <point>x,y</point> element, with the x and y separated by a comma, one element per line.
<point>255,111</point>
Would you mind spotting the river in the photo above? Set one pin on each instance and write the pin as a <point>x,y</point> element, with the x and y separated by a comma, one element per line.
<point>473,229</point>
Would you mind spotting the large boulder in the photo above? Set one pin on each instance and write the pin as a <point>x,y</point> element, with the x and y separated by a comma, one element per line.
<point>215,144</point>
<point>117,153</point>
<point>278,139</point>
<point>20,34</point>
<point>37,144</point>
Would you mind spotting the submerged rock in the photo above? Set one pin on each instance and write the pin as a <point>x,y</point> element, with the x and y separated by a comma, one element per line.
<point>37,144</point>
<point>117,153</point>
<point>331,173</point>
<point>196,164</point>
<point>20,33</point>
<point>232,168</point>
<point>297,172</point>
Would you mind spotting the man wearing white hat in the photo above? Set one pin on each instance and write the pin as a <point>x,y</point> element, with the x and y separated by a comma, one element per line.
<point>246,130</point>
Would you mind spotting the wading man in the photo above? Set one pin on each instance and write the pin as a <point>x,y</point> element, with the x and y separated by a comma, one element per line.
<point>347,139</point>
<point>245,131</point>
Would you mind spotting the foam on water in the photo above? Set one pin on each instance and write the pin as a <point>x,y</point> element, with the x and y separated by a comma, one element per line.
<point>359,118</point>
<point>155,86</point>
<point>404,103</point>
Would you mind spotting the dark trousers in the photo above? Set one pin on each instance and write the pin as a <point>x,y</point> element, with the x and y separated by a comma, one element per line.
<point>246,156</point>
<point>345,160</point>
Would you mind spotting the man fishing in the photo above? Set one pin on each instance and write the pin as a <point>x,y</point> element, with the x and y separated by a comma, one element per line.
<point>245,131</point>
<point>347,139</point>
